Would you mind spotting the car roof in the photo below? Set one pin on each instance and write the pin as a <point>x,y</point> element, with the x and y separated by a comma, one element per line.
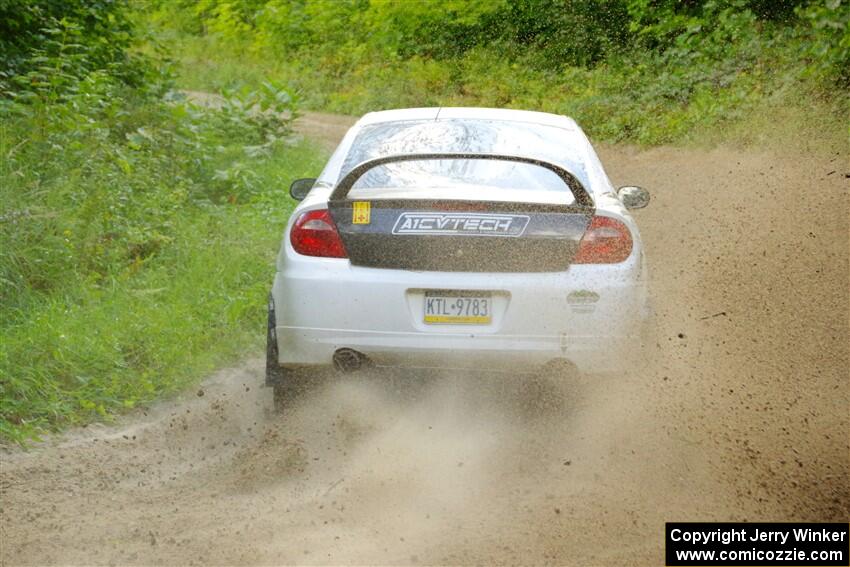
<point>446,113</point>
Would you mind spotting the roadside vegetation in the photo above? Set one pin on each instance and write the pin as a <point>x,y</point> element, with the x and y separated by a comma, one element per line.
<point>137,231</point>
<point>645,71</point>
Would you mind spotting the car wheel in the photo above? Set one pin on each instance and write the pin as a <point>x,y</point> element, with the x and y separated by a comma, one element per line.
<point>286,383</point>
<point>274,373</point>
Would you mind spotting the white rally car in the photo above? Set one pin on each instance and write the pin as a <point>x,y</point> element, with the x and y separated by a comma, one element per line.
<point>463,238</point>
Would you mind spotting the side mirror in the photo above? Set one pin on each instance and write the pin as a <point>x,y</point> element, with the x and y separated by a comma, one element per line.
<point>300,188</point>
<point>633,197</point>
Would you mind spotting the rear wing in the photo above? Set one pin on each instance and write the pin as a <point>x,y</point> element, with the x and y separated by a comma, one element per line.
<point>583,201</point>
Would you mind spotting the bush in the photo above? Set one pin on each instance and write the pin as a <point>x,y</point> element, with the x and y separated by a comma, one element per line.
<point>828,40</point>
<point>136,245</point>
<point>137,231</point>
<point>80,36</point>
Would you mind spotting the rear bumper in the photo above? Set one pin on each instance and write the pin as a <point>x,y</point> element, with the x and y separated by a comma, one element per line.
<point>326,304</point>
<point>457,351</point>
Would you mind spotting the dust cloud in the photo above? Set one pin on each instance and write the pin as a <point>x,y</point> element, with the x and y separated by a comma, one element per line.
<point>371,467</point>
<point>738,410</point>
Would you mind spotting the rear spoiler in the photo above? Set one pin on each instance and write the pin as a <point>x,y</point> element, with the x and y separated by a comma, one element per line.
<point>340,192</point>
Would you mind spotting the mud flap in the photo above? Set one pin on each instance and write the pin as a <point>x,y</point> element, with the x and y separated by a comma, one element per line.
<point>274,373</point>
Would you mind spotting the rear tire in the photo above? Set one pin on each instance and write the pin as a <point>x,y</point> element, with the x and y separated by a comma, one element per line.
<point>286,383</point>
<point>274,373</point>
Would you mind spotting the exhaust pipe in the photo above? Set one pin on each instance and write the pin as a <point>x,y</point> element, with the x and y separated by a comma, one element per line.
<point>349,360</point>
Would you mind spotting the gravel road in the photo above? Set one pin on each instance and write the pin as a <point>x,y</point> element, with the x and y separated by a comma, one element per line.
<point>740,414</point>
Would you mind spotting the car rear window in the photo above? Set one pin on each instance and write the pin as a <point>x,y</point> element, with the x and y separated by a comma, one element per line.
<point>547,143</point>
<point>474,179</point>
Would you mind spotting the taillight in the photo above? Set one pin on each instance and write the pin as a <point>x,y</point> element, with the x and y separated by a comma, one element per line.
<point>314,234</point>
<point>606,241</point>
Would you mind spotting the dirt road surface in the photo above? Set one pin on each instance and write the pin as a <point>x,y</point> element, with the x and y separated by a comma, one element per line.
<point>742,414</point>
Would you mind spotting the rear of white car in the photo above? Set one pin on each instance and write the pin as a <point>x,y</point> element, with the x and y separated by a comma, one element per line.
<point>458,238</point>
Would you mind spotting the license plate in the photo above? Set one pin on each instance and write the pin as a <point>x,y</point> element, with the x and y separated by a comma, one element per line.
<point>458,308</point>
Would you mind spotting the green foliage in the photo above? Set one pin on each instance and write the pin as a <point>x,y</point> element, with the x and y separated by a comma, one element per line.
<point>137,231</point>
<point>93,344</point>
<point>92,35</point>
<point>651,71</point>
<point>288,25</point>
<point>828,40</point>
<point>129,262</point>
<point>406,29</point>
<point>573,32</point>
<point>263,117</point>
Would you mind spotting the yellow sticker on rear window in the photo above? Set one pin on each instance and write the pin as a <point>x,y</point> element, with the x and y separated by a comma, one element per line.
<point>361,213</point>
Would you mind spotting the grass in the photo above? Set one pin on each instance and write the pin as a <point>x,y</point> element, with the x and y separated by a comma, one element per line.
<point>97,346</point>
<point>137,235</point>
